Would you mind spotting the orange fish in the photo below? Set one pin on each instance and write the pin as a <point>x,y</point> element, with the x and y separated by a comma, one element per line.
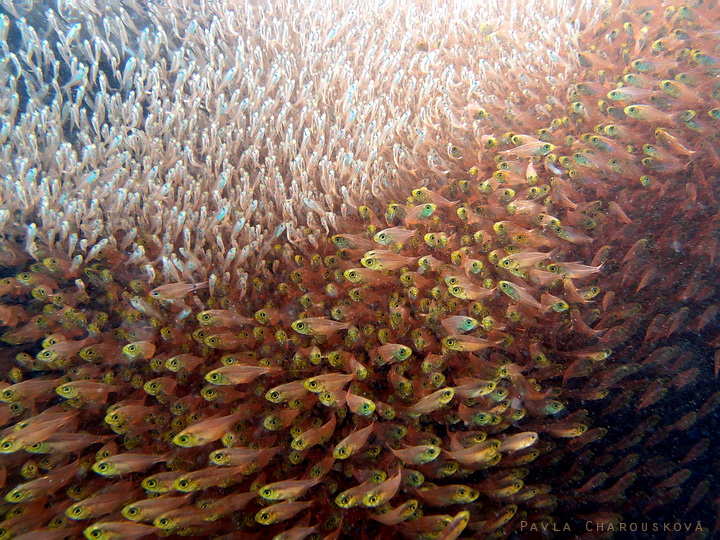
<point>173,291</point>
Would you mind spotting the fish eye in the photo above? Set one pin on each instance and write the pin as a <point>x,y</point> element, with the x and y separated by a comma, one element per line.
<point>77,511</point>
<point>382,236</point>
<point>632,109</point>
<point>205,317</point>
<point>151,482</point>
<point>102,467</point>
<point>342,451</point>
<point>370,262</point>
<point>132,511</point>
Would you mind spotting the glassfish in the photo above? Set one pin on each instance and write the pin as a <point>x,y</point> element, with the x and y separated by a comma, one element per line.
<point>149,509</point>
<point>118,530</point>
<point>126,463</point>
<point>206,431</point>
<point>238,374</point>
<point>321,326</point>
<point>280,512</point>
<point>384,491</point>
<point>104,502</point>
<point>45,485</point>
<point>352,443</point>
<point>223,317</point>
<point>173,291</point>
<point>287,489</point>
<point>397,515</point>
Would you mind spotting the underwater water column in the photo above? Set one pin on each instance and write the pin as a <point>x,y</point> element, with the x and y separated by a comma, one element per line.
<point>433,271</point>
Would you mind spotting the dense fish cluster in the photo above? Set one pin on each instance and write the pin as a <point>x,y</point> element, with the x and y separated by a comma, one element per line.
<point>302,271</point>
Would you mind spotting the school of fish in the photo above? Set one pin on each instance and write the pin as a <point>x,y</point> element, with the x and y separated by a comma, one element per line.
<point>493,332</point>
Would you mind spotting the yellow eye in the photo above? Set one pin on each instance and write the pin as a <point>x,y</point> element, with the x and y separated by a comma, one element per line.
<point>382,236</point>
<point>214,376</point>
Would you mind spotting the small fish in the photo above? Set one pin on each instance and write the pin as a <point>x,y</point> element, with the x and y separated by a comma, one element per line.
<point>223,317</point>
<point>236,456</point>
<point>89,390</point>
<point>43,486</point>
<point>315,436</point>
<point>418,213</point>
<point>467,343</point>
<point>206,431</point>
<point>118,530</point>
<point>162,482</point>
<point>384,491</point>
<point>453,529</point>
<point>281,512</point>
<point>531,149</point>
<point>393,235</point>
<point>139,350</point>
<point>647,113</point>
<point>385,260</point>
<point>519,294</point>
<point>31,388</point>
<point>238,374</point>
<point>173,291</point>
<point>103,502</point>
<point>419,455</point>
<point>352,443</point>
<point>126,463</point>
<point>458,324</point>
<point>397,515</point>
<point>149,509</point>
<point>359,405</point>
<point>183,362</point>
<point>321,326</point>
<point>520,441</point>
<point>433,401</point>
<point>447,495</point>
<point>181,517</point>
<point>393,352</point>
<point>287,489</point>
<point>327,382</point>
